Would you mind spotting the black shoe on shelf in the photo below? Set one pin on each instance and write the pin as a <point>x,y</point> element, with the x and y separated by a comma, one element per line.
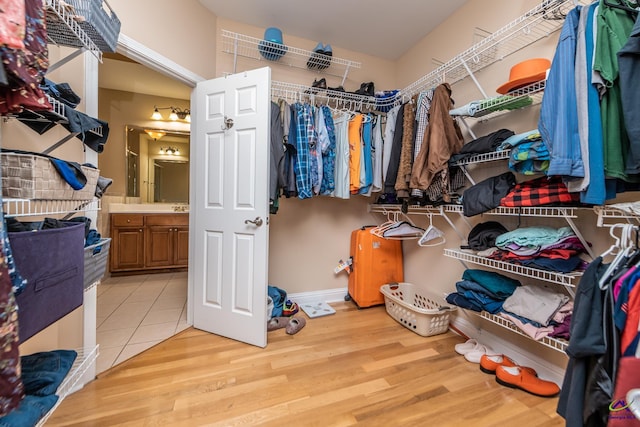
<point>320,84</point>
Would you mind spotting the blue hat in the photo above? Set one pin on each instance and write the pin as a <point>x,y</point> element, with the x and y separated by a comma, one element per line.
<point>272,47</point>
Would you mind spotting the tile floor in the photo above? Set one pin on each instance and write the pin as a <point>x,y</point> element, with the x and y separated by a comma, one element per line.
<point>137,312</point>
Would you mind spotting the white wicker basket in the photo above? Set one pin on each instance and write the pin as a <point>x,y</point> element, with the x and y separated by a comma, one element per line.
<point>416,309</point>
<point>28,176</point>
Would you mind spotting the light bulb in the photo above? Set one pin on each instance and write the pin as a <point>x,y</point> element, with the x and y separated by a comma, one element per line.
<point>188,118</point>
<point>161,150</point>
<point>156,115</point>
<point>173,116</point>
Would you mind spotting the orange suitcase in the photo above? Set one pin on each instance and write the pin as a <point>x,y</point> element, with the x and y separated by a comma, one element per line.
<point>375,262</point>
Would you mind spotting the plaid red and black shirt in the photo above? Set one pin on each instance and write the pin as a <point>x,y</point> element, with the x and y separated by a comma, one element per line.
<point>542,191</point>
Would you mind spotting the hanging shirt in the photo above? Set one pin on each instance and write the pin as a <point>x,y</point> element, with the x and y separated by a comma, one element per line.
<point>614,28</point>
<point>595,193</point>
<point>422,119</point>
<point>328,146</point>
<point>377,148</point>
<point>317,159</point>
<point>302,165</point>
<point>366,168</point>
<point>558,122</point>
<point>342,164</point>
<point>355,147</point>
<point>389,132</point>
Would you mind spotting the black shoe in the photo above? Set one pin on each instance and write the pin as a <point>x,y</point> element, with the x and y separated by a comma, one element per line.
<point>320,84</point>
<point>366,89</point>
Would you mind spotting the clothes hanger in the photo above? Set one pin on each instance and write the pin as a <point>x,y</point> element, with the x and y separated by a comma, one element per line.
<point>403,230</point>
<point>624,247</point>
<point>392,219</point>
<point>431,234</point>
<point>622,4</point>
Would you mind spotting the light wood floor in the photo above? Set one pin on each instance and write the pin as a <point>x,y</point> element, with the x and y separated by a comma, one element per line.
<point>357,367</point>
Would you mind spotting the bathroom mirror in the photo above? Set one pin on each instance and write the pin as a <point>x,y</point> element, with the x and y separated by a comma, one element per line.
<point>157,165</point>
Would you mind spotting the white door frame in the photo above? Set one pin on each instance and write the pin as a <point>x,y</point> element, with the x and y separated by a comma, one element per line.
<point>157,62</point>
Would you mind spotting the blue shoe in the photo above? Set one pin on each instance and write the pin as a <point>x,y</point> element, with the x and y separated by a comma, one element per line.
<point>327,50</point>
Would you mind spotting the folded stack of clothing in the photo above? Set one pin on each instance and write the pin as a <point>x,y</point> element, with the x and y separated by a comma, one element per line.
<point>540,247</point>
<point>42,374</point>
<point>537,311</point>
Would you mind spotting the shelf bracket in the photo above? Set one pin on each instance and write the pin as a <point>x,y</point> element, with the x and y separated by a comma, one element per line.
<point>473,77</point>
<point>66,59</point>
<point>61,142</point>
<point>235,54</point>
<point>578,233</point>
<point>468,129</point>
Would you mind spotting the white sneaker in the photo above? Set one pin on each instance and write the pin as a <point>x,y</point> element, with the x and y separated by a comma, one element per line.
<point>475,355</point>
<point>467,346</point>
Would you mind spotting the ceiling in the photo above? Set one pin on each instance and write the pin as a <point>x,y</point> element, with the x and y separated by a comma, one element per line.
<point>382,28</point>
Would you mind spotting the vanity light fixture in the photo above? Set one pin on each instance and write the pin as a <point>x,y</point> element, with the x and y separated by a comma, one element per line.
<point>171,151</point>
<point>177,113</point>
<point>155,134</point>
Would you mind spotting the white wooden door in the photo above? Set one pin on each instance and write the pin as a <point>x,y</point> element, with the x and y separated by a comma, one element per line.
<point>230,205</point>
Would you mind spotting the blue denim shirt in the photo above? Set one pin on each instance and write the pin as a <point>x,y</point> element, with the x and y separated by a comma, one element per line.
<point>558,123</point>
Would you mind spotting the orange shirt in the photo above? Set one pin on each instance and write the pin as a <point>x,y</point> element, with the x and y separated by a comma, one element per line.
<point>355,141</point>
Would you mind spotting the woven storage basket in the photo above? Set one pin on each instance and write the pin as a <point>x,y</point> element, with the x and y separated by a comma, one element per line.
<point>29,176</point>
<point>416,309</point>
<point>99,21</point>
<point>95,261</point>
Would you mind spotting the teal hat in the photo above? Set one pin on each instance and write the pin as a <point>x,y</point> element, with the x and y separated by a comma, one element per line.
<point>272,47</point>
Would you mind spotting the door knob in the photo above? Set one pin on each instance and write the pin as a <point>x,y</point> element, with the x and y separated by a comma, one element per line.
<point>257,222</point>
<point>228,123</point>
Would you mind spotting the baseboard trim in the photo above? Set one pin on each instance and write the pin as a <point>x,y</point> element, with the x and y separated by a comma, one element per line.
<point>327,295</point>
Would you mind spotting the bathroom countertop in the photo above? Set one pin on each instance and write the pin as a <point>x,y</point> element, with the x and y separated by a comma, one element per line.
<point>148,208</point>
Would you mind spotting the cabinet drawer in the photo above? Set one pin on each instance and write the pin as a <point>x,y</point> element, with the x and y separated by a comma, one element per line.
<point>167,219</point>
<point>124,220</point>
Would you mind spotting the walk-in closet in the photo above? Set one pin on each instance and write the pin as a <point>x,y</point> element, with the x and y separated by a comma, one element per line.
<point>498,151</point>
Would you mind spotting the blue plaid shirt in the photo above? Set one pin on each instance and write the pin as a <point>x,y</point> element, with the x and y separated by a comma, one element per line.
<point>302,164</point>
<point>328,154</point>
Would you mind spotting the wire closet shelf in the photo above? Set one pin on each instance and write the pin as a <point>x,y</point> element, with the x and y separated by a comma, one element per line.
<point>536,24</point>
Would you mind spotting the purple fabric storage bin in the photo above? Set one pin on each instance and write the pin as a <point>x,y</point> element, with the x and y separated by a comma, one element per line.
<point>52,261</point>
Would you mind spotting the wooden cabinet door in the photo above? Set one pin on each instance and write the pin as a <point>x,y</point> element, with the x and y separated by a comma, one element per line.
<point>181,246</point>
<point>127,248</point>
<point>159,247</point>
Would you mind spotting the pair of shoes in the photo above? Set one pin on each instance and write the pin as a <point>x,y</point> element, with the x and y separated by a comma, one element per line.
<point>277,323</point>
<point>321,57</point>
<point>336,89</point>
<point>295,324</point>
<point>466,346</point>
<point>519,377</point>
<point>476,354</point>
<point>490,362</point>
<point>291,324</point>
<point>289,308</point>
<point>367,89</point>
